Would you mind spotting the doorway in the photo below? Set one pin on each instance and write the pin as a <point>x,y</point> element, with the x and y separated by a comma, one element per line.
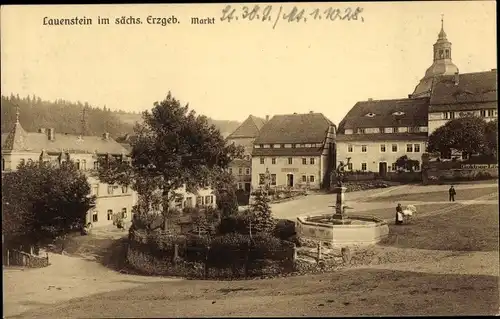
<point>289,180</point>
<point>382,169</point>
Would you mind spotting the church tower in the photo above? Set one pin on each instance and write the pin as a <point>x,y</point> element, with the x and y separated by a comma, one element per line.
<point>442,65</point>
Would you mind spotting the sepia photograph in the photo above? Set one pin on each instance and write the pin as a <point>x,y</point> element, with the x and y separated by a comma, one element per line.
<point>322,159</point>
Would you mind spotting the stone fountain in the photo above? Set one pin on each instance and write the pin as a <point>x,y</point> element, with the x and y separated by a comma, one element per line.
<point>339,229</point>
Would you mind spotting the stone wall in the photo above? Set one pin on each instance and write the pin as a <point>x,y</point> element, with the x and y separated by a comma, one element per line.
<point>341,235</point>
<point>435,172</point>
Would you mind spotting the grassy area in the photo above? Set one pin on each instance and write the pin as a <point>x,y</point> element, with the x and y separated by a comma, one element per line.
<point>469,228</point>
<point>466,194</point>
<point>350,293</point>
<point>391,212</point>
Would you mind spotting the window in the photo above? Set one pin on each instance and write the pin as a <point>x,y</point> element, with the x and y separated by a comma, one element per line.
<point>273,160</point>
<point>349,148</point>
<point>273,179</point>
<point>96,164</point>
<point>77,163</point>
<point>311,161</point>
<point>240,171</point>
<point>262,177</point>
<point>282,145</point>
<point>304,178</point>
<point>452,115</point>
<point>446,115</point>
<point>124,212</point>
<point>395,130</point>
<point>490,113</point>
<point>483,113</point>
<point>363,148</point>
<point>441,54</point>
<point>361,131</point>
<point>271,146</point>
<point>110,214</point>
<point>240,185</point>
<point>290,161</point>
<point>110,190</point>
<point>409,148</point>
<point>293,145</point>
<point>208,200</point>
<point>393,167</point>
<point>382,148</point>
<point>124,189</point>
<point>447,54</point>
<point>311,179</point>
<point>304,161</point>
<point>363,166</point>
<point>381,130</point>
<point>199,201</point>
<point>230,170</point>
<point>189,202</point>
<point>95,190</point>
<point>262,160</point>
<point>247,171</point>
<point>416,148</point>
<point>394,147</point>
<point>349,166</point>
<point>413,129</point>
<point>94,217</point>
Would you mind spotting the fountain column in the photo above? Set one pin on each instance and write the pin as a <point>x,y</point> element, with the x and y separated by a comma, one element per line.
<point>339,203</point>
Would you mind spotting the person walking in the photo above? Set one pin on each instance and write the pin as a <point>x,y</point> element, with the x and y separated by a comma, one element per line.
<point>452,193</point>
<point>399,214</point>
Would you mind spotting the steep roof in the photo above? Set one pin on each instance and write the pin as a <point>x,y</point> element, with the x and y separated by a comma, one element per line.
<point>294,128</point>
<point>386,113</point>
<point>249,128</point>
<point>17,140</point>
<point>472,88</point>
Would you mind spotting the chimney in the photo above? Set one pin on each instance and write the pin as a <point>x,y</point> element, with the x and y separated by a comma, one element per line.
<point>51,134</point>
<point>370,99</point>
<point>42,130</point>
<point>294,112</point>
<point>105,136</point>
<point>457,78</point>
<point>493,70</point>
<point>311,112</point>
<point>267,118</point>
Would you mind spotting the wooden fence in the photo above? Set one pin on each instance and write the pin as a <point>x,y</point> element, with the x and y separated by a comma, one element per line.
<point>14,257</point>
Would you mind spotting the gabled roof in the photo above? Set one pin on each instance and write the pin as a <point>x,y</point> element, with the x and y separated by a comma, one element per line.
<point>17,140</point>
<point>249,128</point>
<point>478,87</point>
<point>386,113</point>
<point>294,128</point>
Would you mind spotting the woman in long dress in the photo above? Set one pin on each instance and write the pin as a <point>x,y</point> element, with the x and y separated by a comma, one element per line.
<point>399,214</point>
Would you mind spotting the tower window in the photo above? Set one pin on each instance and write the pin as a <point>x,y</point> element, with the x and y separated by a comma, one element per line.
<point>441,54</point>
<point>447,54</point>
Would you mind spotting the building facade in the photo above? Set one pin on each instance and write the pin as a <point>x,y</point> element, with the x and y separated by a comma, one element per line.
<point>244,136</point>
<point>375,133</point>
<point>46,145</point>
<point>294,151</point>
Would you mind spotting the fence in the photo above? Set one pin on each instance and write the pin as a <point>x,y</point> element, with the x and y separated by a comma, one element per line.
<point>185,259</point>
<point>14,257</point>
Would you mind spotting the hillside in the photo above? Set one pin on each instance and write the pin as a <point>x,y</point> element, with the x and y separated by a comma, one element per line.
<point>66,117</point>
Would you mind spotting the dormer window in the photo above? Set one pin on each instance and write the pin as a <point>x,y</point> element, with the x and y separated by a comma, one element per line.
<point>361,131</point>
<point>398,113</point>
<point>370,114</point>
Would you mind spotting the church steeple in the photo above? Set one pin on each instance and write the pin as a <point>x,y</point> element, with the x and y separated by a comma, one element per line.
<point>16,139</point>
<point>442,64</point>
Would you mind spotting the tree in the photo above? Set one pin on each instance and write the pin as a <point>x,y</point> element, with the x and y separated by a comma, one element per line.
<point>404,163</point>
<point>173,147</point>
<point>465,134</point>
<point>262,220</point>
<point>225,192</point>
<point>42,202</point>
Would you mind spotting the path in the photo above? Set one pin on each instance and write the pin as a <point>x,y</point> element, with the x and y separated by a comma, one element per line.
<point>65,278</point>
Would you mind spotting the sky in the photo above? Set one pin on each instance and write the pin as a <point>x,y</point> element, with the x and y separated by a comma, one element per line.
<point>229,70</point>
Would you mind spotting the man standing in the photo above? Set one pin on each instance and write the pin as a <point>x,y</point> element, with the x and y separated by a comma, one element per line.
<point>452,193</point>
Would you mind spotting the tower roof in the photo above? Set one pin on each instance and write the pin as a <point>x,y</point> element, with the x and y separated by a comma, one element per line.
<point>16,138</point>
<point>442,34</point>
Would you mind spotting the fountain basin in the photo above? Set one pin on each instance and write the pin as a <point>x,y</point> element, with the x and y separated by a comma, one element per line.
<point>360,230</point>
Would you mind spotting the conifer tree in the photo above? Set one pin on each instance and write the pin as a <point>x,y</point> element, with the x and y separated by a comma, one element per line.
<point>262,218</point>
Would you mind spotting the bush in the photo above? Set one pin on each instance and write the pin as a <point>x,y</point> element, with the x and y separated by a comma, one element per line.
<point>284,229</point>
<point>238,223</point>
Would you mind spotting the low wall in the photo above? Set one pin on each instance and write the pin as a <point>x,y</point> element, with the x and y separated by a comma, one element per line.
<point>342,235</point>
<point>440,172</point>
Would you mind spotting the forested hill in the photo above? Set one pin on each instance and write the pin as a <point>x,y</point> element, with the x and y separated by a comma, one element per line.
<point>66,117</point>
